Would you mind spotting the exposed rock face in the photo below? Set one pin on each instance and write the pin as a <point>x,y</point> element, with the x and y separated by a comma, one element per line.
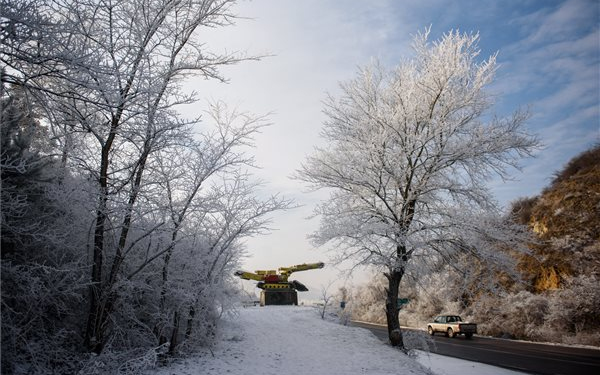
<point>566,218</point>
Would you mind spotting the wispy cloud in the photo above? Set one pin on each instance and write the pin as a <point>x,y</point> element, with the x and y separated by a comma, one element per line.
<point>549,56</point>
<point>567,19</point>
<point>554,67</point>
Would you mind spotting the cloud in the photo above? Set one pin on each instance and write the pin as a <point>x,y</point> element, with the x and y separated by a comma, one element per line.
<point>553,67</point>
<point>549,55</point>
<point>567,19</point>
<point>313,46</point>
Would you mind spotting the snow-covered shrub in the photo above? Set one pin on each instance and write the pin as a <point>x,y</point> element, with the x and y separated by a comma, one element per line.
<point>519,315</point>
<point>574,312</point>
<point>329,306</point>
<point>136,361</point>
<point>419,340</point>
<point>421,310</point>
<point>569,315</point>
<point>44,222</point>
<point>368,301</point>
<point>434,294</point>
<point>582,338</point>
<point>527,313</point>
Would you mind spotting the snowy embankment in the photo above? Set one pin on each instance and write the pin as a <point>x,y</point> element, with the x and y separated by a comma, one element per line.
<point>277,340</point>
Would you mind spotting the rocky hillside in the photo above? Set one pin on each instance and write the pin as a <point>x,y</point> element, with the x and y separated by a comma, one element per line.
<point>566,219</point>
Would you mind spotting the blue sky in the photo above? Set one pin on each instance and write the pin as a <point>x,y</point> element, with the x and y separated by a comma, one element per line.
<point>549,56</point>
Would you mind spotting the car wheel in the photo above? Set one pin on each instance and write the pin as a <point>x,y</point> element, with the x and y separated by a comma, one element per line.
<point>468,336</point>
<point>430,330</point>
<point>450,333</point>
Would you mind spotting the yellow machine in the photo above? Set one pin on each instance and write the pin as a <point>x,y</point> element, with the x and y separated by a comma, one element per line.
<point>276,289</point>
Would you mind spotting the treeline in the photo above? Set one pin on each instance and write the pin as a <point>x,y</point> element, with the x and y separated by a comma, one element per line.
<point>121,220</point>
<point>552,295</point>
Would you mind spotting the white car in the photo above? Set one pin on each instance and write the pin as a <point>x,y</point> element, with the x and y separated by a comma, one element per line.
<point>451,325</point>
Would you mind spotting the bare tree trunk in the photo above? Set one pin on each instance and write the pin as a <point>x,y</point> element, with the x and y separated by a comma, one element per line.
<point>102,296</point>
<point>162,338</point>
<point>174,334</point>
<point>391,308</point>
<point>92,328</point>
<point>190,322</point>
<point>94,336</point>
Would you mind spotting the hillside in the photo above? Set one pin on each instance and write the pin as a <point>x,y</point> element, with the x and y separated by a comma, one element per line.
<point>566,219</point>
<point>557,298</point>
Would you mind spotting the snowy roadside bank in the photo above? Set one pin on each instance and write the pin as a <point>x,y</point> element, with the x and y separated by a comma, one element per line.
<point>295,340</point>
<point>443,365</point>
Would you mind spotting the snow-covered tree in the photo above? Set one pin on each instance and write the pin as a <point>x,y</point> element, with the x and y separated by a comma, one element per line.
<point>110,74</point>
<point>162,203</point>
<point>409,151</point>
<point>43,226</point>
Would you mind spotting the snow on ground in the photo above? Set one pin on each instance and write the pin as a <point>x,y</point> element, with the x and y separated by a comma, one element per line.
<point>277,340</point>
<point>443,365</point>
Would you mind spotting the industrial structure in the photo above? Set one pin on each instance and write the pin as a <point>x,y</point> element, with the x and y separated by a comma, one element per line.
<point>276,289</point>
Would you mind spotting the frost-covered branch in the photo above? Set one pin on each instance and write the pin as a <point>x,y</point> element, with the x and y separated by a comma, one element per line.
<point>408,156</point>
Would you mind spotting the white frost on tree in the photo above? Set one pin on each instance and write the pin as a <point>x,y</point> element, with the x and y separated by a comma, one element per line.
<point>409,151</point>
<point>147,211</point>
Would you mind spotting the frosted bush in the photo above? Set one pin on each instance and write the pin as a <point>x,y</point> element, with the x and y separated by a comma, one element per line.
<point>128,362</point>
<point>368,302</point>
<point>419,340</point>
<point>488,316</point>
<point>526,315</point>
<point>574,312</point>
<point>570,315</point>
<point>583,338</point>
<point>433,296</point>
<point>519,316</point>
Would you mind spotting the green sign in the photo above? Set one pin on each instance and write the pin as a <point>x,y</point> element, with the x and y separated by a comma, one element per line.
<point>402,301</point>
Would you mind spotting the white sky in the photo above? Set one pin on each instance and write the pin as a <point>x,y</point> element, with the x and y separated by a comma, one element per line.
<point>549,56</point>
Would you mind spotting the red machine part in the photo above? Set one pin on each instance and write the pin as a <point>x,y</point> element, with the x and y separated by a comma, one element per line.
<point>272,278</point>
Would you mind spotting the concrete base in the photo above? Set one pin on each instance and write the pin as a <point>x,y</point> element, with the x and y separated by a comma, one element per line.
<point>278,297</point>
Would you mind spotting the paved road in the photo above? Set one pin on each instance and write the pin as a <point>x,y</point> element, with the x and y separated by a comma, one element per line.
<point>517,355</point>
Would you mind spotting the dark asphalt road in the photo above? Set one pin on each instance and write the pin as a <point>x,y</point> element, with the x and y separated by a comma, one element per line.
<point>517,355</point>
